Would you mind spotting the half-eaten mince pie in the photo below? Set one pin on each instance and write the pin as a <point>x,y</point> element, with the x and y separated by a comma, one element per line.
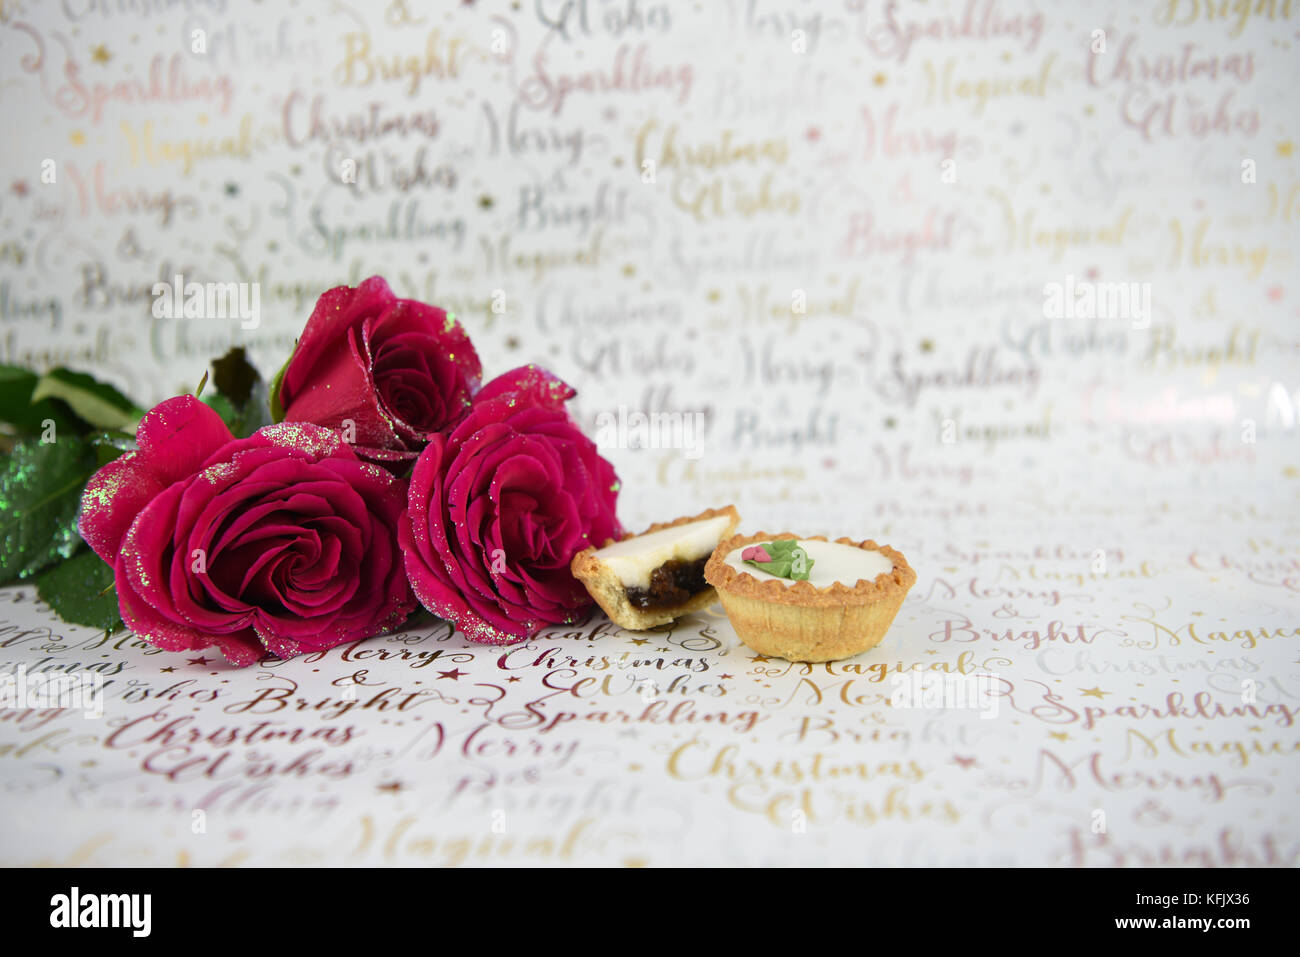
<point>656,577</point>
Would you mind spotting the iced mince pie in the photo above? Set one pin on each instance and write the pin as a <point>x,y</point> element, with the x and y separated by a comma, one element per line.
<point>809,599</point>
<point>655,577</point>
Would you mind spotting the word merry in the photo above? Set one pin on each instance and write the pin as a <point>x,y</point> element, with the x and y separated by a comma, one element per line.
<point>95,195</point>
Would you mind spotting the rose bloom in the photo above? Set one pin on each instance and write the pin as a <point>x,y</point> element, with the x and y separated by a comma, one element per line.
<point>284,541</point>
<point>499,507</point>
<point>398,370</point>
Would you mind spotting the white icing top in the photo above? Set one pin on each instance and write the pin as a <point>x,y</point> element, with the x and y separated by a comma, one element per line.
<point>832,562</point>
<point>633,559</point>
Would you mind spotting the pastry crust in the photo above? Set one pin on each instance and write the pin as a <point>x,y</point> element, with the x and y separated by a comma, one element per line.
<point>799,621</point>
<point>609,592</point>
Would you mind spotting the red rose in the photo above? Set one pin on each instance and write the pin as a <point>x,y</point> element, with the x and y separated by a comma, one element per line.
<point>499,507</point>
<point>398,370</point>
<point>285,541</point>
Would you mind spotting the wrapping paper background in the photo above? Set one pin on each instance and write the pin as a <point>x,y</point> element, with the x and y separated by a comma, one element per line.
<point>834,236</point>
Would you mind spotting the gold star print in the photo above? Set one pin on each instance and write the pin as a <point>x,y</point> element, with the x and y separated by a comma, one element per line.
<point>927,345</point>
<point>485,201</point>
<point>759,658</point>
<point>878,79</point>
<point>392,787</point>
<point>77,138</point>
<point>1285,148</point>
<point>1094,693</point>
<point>100,54</point>
<point>629,270</point>
<point>1058,735</point>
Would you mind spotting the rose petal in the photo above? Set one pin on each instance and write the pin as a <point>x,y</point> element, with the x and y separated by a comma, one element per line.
<point>174,438</point>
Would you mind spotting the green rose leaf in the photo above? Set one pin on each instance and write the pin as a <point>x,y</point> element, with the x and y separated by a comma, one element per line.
<point>28,417</point>
<point>97,402</point>
<point>79,590</point>
<point>40,492</point>
<point>222,406</point>
<point>241,395</point>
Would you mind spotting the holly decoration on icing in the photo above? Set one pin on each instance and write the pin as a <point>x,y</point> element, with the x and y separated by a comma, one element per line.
<point>783,558</point>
